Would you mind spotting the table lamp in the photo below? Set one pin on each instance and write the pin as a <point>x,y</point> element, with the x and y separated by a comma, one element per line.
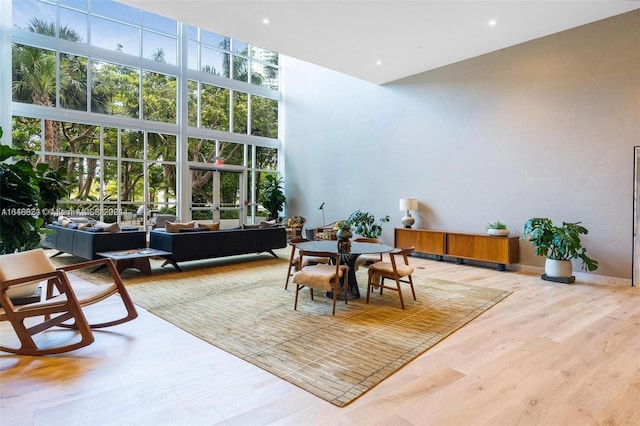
<point>408,204</point>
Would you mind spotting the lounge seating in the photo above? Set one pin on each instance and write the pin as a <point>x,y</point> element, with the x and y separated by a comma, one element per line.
<point>85,243</point>
<point>327,232</point>
<point>202,243</point>
<point>21,274</point>
<point>295,225</point>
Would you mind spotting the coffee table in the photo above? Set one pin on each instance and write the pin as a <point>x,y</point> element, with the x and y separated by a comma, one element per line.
<point>134,258</point>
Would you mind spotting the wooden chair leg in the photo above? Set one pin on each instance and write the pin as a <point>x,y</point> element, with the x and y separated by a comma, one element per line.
<point>295,305</point>
<point>335,297</point>
<point>412,289</point>
<point>286,284</point>
<point>346,289</point>
<point>400,293</point>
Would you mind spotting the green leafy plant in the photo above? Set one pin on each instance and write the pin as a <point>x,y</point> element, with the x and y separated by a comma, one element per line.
<point>558,242</point>
<point>344,225</point>
<point>496,225</point>
<point>27,194</point>
<point>364,223</point>
<point>272,197</point>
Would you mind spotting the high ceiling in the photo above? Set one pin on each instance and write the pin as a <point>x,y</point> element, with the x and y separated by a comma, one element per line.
<point>382,41</point>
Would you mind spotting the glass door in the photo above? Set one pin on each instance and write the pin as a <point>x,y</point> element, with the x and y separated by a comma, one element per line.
<point>218,195</point>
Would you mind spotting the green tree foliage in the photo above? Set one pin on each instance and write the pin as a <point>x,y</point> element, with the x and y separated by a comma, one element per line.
<point>115,90</point>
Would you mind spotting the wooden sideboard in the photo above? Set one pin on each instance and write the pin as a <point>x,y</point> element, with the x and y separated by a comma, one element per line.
<point>460,245</point>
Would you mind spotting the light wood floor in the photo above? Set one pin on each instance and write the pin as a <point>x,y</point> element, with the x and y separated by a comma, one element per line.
<point>549,354</point>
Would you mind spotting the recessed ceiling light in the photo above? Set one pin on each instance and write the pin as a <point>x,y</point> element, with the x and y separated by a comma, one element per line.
<point>265,21</point>
<point>378,62</point>
<point>492,23</point>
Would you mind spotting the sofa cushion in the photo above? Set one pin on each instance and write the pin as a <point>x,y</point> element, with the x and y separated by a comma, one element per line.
<point>174,227</point>
<point>198,229</point>
<point>111,227</point>
<point>269,224</point>
<point>93,229</point>
<point>65,220</point>
<point>210,226</point>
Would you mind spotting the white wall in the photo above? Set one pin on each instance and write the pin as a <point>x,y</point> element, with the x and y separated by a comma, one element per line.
<point>545,128</point>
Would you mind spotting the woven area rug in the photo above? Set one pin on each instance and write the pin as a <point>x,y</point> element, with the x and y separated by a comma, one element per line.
<point>240,305</point>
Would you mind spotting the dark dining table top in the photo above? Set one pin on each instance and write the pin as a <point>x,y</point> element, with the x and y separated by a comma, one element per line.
<point>331,246</point>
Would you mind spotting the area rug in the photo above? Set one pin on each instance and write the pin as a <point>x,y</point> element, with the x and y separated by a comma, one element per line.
<point>241,306</point>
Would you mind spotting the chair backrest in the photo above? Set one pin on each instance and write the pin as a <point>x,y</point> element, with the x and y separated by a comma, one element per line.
<point>404,252</point>
<point>333,257</point>
<point>367,240</point>
<point>293,243</point>
<point>296,221</point>
<point>23,264</point>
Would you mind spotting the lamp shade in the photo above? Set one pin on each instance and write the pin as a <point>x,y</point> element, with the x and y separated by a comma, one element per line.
<point>408,204</point>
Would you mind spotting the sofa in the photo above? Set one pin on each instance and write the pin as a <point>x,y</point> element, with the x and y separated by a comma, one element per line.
<point>202,243</point>
<point>86,243</point>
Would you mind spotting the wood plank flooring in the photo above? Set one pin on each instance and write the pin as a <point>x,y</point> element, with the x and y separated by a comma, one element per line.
<point>549,354</point>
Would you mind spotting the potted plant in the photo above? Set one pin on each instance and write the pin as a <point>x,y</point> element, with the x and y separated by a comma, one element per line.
<point>497,228</point>
<point>272,197</point>
<point>343,230</point>
<point>364,224</point>
<point>560,244</point>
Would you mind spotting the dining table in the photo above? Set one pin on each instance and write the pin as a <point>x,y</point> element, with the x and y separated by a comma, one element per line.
<point>349,259</point>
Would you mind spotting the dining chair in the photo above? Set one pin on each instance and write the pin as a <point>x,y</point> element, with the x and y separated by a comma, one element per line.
<point>324,277</point>
<point>23,272</point>
<point>398,269</point>
<point>367,259</point>
<point>295,259</point>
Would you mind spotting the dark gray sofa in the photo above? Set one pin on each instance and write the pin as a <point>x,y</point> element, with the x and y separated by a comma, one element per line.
<point>86,244</point>
<point>194,244</point>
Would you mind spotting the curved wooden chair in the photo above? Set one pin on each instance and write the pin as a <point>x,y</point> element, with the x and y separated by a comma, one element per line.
<point>295,225</point>
<point>295,260</point>
<point>21,273</point>
<point>398,270</point>
<point>367,259</point>
<point>322,276</point>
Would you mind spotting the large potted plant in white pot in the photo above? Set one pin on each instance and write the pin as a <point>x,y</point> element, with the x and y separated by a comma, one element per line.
<point>560,244</point>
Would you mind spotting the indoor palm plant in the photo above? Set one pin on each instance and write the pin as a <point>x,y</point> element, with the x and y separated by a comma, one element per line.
<point>560,244</point>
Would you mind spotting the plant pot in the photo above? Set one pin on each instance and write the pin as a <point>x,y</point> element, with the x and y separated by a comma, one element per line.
<point>558,268</point>
<point>344,234</point>
<point>498,232</point>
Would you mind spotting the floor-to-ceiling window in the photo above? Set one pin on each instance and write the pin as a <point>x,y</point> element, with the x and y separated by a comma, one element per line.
<point>133,104</point>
